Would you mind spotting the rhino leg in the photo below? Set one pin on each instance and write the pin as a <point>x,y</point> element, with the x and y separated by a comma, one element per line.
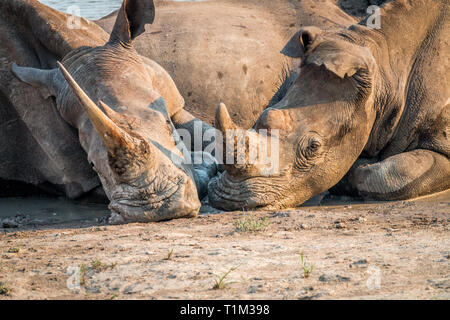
<point>205,167</point>
<point>198,136</point>
<point>201,134</point>
<point>344,187</point>
<point>402,176</point>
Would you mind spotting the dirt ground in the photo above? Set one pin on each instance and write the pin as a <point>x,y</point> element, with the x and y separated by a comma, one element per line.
<point>358,251</point>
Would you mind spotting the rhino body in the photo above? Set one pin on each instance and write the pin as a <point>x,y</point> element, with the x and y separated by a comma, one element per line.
<point>369,111</point>
<point>99,118</point>
<point>29,123</point>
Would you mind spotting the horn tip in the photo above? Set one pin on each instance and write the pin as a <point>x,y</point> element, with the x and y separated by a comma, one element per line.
<point>64,71</point>
<point>222,110</point>
<point>223,119</point>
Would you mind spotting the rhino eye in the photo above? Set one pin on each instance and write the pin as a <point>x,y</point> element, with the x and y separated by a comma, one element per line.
<point>314,145</point>
<point>309,149</point>
<point>312,148</point>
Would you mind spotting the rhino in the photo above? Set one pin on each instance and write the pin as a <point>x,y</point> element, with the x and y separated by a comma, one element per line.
<point>84,110</point>
<point>367,115</point>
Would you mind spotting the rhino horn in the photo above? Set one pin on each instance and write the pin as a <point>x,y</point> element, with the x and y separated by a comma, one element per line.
<point>112,135</point>
<point>234,135</point>
<point>223,120</point>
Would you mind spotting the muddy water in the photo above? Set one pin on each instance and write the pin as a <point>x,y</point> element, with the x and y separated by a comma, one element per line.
<point>48,210</point>
<point>90,9</point>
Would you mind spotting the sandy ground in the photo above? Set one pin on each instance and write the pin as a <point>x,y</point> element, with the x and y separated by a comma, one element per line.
<point>359,251</point>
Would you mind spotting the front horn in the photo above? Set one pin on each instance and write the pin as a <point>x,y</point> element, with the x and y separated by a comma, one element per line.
<point>223,120</point>
<point>112,136</point>
<point>233,135</point>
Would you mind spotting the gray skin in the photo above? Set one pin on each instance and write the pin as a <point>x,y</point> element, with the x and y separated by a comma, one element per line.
<point>112,97</point>
<point>370,109</point>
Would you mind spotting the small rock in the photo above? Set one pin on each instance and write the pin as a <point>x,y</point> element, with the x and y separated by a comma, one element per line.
<point>339,225</point>
<point>314,296</point>
<point>359,264</point>
<point>280,214</point>
<point>93,289</point>
<point>172,276</point>
<point>342,278</point>
<point>8,223</point>
<point>252,289</point>
<point>306,290</point>
<point>129,289</point>
<point>325,278</point>
<point>333,278</point>
<point>304,226</point>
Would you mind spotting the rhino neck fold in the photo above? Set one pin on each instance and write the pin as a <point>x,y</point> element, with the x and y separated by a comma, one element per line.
<point>396,56</point>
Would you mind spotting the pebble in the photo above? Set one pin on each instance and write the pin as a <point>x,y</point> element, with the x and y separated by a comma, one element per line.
<point>339,225</point>
<point>8,223</point>
<point>333,278</point>
<point>252,289</point>
<point>359,264</point>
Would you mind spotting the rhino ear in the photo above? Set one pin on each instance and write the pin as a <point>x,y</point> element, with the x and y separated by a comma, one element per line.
<point>344,60</point>
<point>300,42</point>
<point>47,81</point>
<point>131,20</point>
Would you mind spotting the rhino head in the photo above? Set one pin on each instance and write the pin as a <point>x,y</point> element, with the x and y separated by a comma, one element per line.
<point>321,126</point>
<point>108,93</point>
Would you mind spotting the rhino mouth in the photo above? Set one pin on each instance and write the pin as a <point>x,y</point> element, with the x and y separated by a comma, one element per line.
<point>227,193</point>
<point>178,200</point>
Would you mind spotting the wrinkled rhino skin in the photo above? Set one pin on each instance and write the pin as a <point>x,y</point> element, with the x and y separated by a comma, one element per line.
<point>371,105</point>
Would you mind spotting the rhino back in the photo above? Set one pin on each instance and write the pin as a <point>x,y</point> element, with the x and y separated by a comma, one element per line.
<point>412,96</point>
<point>36,145</point>
<point>426,120</point>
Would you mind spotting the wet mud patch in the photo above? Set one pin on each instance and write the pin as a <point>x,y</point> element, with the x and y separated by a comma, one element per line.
<point>39,211</point>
